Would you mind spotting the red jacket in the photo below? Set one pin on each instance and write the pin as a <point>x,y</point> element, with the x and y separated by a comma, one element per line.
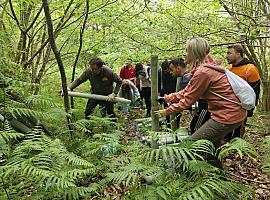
<point>127,73</point>
<point>204,77</point>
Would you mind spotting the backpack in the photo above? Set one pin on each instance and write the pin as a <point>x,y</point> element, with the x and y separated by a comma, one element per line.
<point>241,89</point>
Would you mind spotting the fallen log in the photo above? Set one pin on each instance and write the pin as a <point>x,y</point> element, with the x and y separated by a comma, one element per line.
<point>97,97</point>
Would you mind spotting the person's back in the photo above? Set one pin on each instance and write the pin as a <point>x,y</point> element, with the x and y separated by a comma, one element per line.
<point>142,73</point>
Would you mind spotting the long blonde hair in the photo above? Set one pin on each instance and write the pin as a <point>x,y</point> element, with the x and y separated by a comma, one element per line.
<point>197,49</point>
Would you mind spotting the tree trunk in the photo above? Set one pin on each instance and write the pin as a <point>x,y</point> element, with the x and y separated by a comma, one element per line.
<point>80,48</point>
<point>58,59</point>
<point>266,96</point>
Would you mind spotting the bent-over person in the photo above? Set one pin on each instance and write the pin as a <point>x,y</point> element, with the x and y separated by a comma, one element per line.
<point>102,79</point>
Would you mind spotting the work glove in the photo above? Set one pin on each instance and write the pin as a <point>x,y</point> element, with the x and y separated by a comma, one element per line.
<point>160,99</point>
<point>61,93</point>
<point>111,97</point>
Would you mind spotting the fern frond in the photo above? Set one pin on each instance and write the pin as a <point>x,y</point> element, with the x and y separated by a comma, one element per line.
<point>8,134</point>
<point>237,145</point>
<point>176,155</point>
<point>76,160</point>
<point>40,101</point>
<point>82,124</point>
<point>210,188</point>
<point>132,173</point>
<point>199,167</point>
<point>203,146</point>
<point>77,192</point>
<point>26,112</point>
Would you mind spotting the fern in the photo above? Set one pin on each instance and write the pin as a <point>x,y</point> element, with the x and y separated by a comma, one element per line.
<point>8,134</point>
<point>237,145</point>
<point>39,102</point>
<point>15,112</point>
<point>180,155</point>
<point>132,173</point>
<point>210,188</point>
<point>46,165</point>
<point>198,167</point>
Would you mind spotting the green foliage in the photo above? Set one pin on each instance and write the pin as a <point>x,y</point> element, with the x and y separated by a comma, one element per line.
<point>47,167</point>
<point>237,145</point>
<point>132,173</point>
<point>180,155</point>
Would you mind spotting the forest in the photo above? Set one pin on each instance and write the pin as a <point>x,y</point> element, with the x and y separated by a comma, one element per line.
<point>49,150</point>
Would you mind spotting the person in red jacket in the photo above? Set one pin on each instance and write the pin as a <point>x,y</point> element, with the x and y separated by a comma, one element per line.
<point>128,71</point>
<point>207,77</point>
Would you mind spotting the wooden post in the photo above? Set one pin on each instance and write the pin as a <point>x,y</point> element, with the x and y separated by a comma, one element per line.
<point>154,92</point>
<point>173,117</point>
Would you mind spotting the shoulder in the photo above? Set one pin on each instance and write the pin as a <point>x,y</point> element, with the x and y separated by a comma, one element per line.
<point>107,69</point>
<point>88,72</point>
<point>229,67</point>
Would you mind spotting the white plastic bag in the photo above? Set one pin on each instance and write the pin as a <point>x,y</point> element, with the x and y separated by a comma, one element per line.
<point>242,90</point>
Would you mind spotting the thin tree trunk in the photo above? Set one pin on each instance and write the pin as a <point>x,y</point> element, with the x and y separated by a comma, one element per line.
<point>80,48</point>
<point>266,96</point>
<point>58,59</point>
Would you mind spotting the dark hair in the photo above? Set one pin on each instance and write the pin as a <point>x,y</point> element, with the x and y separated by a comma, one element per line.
<point>178,62</point>
<point>238,48</point>
<point>96,61</point>
<point>165,65</point>
<point>126,91</point>
<point>138,67</point>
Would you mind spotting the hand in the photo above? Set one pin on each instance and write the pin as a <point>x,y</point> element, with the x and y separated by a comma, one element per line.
<point>160,99</point>
<point>111,97</point>
<point>160,113</point>
<point>61,93</point>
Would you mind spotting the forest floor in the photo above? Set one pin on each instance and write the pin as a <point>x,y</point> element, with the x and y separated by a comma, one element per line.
<point>246,170</point>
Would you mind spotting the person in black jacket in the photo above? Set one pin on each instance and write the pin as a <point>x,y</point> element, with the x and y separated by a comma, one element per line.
<point>102,79</point>
<point>166,85</point>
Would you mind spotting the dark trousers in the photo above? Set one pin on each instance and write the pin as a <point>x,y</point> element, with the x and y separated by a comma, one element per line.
<point>106,108</point>
<point>200,117</point>
<point>168,118</point>
<point>146,95</point>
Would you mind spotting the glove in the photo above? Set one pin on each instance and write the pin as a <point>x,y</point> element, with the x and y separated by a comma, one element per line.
<point>161,99</point>
<point>111,97</point>
<point>61,93</point>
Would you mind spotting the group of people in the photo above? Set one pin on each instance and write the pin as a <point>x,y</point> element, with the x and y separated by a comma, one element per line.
<point>216,120</point>
<point>131,83</point>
